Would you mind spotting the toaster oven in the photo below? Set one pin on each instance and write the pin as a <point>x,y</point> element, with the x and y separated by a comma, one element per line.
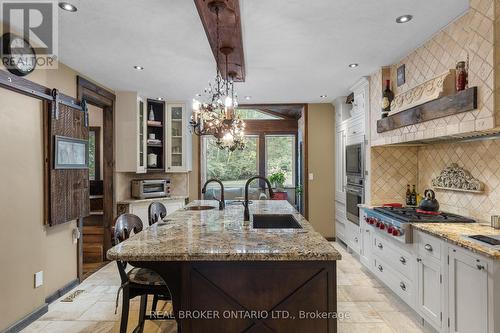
<point>150,188</point>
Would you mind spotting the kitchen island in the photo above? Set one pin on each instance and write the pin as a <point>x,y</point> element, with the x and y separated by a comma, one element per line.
<point>227,276</point>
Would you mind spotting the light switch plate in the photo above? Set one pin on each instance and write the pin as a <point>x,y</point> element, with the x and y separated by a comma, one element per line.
<point>311,176</point>
<point>38,279</point>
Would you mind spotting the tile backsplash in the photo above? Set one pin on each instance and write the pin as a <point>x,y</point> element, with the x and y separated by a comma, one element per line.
<point>394,167</point>
<point>481,159</point>
<point>470,35</point>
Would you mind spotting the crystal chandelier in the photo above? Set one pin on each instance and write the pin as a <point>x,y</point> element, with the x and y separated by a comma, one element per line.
<point>216,115</point>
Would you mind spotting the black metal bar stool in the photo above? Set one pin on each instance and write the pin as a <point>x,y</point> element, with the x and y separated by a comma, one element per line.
<point>138,281</point>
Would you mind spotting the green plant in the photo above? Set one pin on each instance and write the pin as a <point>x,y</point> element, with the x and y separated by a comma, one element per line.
<point>299,189</point>
<point>277,178</point>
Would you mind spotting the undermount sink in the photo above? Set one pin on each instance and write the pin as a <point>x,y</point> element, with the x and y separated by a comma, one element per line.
<point>275,221</point>
<point>200,207</point>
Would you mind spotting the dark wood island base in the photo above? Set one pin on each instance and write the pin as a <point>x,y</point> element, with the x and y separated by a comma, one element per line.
<point>251,296</point>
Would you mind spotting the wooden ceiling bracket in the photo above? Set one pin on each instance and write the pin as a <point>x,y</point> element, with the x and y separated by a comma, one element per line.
<point>216,6</point>
<point>230,35</point>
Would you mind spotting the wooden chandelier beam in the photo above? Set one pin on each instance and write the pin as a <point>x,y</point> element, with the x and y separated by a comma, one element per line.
<point>229,34</point>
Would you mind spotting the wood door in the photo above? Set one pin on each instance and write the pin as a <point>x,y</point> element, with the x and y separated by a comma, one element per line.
<point>468,293</point>
<point>69,188</point>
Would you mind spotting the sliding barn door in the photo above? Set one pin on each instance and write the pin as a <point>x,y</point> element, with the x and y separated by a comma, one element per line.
<point>68,182</point>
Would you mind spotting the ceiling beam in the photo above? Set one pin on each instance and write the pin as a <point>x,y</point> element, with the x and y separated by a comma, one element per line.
<point>229,34</point>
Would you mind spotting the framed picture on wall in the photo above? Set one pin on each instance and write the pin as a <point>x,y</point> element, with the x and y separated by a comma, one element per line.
<point>70,153</point>
<point>401,75</point>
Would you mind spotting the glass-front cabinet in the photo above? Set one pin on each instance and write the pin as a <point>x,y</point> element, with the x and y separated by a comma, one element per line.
<point>141,135</point>
<point>177,134</point>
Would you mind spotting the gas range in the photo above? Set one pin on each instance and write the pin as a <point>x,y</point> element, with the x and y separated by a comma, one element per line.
<point>396,221</point>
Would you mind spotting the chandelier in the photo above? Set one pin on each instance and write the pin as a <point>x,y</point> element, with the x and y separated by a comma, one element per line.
<point>216,115</point>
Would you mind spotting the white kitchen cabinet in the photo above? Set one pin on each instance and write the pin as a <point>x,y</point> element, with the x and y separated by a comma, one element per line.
<point>468,293</point>
<point>179,143</point>
<point>429,302</point>
<point>140,208</point>
<point>366,240</point>
<point>130,132</point>
<point>352,237</point>
<point>340,175</point>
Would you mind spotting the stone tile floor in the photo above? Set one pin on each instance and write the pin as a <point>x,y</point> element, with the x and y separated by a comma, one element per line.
<point>372,307</point>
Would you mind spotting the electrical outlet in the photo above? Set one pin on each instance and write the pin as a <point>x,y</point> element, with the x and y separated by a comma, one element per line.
<point>38,279</point>
<point>311,176</point>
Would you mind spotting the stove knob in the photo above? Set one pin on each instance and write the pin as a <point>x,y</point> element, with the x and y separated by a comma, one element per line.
<point>396,232</point>
<point>367,219</point>
<point>382,226</point>
<point>390,230</point>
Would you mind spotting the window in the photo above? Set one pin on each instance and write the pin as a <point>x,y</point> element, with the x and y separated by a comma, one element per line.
<point>255,114</point>
<point>232,168</point>
<point>280,156</point>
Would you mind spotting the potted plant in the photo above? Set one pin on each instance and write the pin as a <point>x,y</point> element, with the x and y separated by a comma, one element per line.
<point>278,180</point>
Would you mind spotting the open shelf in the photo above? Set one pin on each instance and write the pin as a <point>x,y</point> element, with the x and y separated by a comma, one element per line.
<point>155,170</point>
<point>462,101</point>
<point>156,127</point>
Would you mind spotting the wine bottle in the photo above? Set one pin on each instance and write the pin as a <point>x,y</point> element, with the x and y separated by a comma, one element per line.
<point>408,195</point>
<point>387,97</point>
<point>414,196</point>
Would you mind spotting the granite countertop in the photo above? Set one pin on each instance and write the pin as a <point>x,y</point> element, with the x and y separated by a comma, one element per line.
<point>454,233</point>
<point>132,200</point>
<point>214,235</point>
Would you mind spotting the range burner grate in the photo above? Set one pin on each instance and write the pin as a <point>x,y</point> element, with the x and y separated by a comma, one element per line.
<point>409,214</point>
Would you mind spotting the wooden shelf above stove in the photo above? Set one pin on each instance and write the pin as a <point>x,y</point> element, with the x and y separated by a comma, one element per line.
<point>462,101</point>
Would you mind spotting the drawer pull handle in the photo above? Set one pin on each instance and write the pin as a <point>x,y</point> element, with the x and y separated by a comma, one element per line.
<point>419,260</point>
<point>402,260</point>
<point>380,246</point>
<point>428,247</point>
<point>480,267</point>
<point>380,268</point>
<point>402,286</point>
<point>356,239</point>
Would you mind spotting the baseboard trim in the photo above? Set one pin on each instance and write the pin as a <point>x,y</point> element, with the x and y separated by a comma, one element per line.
<point>59,292</point>
<point>330,239</point>
<point>23,323</point>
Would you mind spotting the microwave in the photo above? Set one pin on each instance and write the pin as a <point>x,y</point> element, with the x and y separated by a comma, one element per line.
<point>354,160</point>
<point>150,188</point>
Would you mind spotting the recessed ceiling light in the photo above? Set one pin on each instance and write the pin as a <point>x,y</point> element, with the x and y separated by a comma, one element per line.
<point>323,96</point>
<point>139,68</point>
<point>160,98</point>
<point>248,98</point>
<point>353,65</point>
<point>67,6</point>
<point>404,18</point>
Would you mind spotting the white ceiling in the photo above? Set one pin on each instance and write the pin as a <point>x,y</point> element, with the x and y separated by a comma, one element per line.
<point>295,50</point>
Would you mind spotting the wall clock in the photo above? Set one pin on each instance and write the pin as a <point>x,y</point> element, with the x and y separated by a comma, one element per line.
<point>18,55</point>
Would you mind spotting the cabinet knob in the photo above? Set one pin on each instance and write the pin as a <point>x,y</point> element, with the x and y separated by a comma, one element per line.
<point>428,247</point>
<point>380,246</point>
<point>480,267</point>
<point>419,260</point>
<point>402,285</point>
<point>380,268</point>
<point>402,260</point>
<point>356,239</point>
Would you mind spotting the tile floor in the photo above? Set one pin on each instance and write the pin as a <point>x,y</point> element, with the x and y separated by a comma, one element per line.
<point>372,307</point>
